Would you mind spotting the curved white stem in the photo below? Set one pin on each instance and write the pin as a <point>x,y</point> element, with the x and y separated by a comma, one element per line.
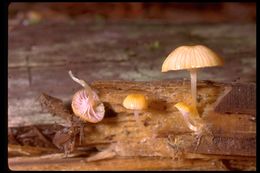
<point>193,76</point>
<point>85,85</point>
<point>186,119</point>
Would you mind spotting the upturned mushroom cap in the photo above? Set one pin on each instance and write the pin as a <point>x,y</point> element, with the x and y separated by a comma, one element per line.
<point>83,109</point>
<point>188,57</point>
<point>135,102</point>
<point>184,108</point>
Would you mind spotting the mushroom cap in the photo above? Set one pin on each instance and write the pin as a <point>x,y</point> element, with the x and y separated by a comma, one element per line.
<point>181,106</point>
<point>81,107</point>
<point>135,102</point>
<point>188,57</point>
<point>185,108</point>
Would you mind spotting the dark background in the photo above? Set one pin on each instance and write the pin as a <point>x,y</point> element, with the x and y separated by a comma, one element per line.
<point>171,12</point>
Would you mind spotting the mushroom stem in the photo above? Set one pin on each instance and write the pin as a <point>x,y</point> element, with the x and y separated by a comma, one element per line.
<point>137,118</point>
<point>193,76</point>
<point>85,85</point>
<point>188,122</point>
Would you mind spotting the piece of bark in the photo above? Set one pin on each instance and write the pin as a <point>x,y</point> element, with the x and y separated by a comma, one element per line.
<point>56,107</point>
<point>240,99</point>
<point>19,150</point>
<point>27,136</point>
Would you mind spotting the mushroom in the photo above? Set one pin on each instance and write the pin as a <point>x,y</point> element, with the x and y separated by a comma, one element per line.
<point>136,102</point>
<point>191,58</point>
<point>86,104</point>
<point>190,116</point>
<point>193,121</point>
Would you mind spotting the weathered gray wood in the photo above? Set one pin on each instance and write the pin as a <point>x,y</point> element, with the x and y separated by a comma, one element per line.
<point>40,56</point>
<point>241,99</point>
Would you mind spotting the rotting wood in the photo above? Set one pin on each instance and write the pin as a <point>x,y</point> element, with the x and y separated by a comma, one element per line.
<point>241,99</point>
<point>164,133</point>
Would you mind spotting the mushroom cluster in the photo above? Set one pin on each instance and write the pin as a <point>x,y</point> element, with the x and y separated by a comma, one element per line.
<point>88,107</point>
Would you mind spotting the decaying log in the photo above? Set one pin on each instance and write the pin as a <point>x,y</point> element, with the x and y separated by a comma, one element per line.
<point>164,134</point>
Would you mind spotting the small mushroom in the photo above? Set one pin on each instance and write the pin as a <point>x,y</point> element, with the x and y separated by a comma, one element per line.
<point>86,104</point>
<point>190,116</point>
<point>191,58</point>
<point>136,102</point>
<point>193,121</point>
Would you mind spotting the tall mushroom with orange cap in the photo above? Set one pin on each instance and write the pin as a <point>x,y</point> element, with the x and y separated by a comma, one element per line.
<point>191,58</point>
